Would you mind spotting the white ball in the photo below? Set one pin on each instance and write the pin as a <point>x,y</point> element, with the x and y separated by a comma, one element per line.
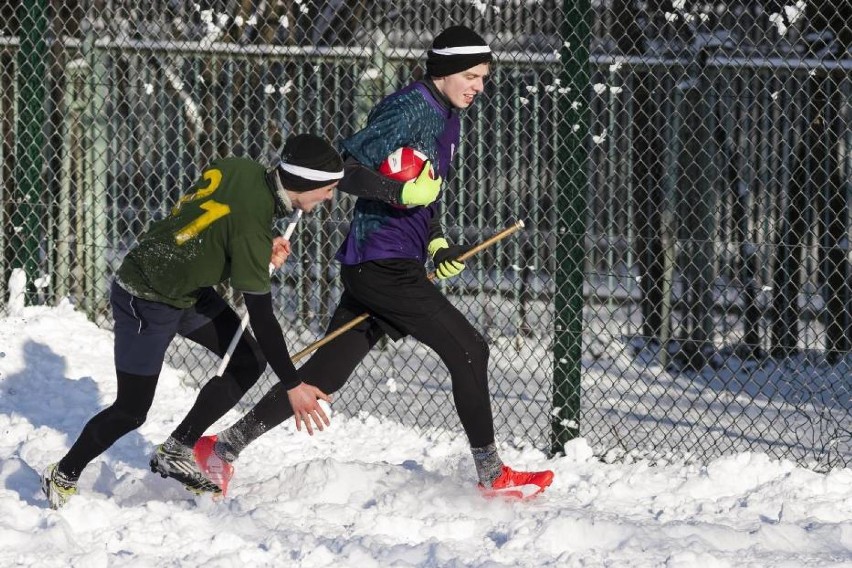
<point>326,407</point>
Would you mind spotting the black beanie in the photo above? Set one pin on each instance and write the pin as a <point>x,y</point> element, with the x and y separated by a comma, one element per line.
<point>308,162</point>
<point>455,49</point>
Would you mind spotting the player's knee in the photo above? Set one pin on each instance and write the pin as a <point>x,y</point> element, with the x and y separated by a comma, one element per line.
<point>247,367</point>
<point>480,349</point>
<point>328,379</point>
<point>334,384</point>
<point>135,396</point>
<point>128,419</point>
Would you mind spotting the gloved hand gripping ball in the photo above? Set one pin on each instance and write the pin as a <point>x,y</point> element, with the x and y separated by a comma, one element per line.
<point>413,167</point>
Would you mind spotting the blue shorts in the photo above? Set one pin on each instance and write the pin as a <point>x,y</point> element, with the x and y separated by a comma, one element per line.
<point>144,329</point>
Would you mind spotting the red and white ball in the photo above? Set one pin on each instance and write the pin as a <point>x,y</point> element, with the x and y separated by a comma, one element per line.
<point>404,164</point>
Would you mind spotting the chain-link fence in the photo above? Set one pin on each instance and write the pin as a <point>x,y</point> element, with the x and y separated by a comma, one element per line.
<point>683,284</point>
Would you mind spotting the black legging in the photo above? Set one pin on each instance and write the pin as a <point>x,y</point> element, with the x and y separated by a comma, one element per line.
<point>462,349</point>
<point>136,393</point>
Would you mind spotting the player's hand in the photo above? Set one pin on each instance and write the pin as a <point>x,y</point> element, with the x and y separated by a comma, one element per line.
<point>423,189</point>
<point>304,401</point>
<point>280,251</point>
<point>445,257</point>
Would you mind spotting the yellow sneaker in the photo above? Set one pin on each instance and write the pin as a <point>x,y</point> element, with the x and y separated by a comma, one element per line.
<point>57,487</point>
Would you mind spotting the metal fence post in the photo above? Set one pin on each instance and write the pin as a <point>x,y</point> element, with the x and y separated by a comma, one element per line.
<point>699,223</point>
<point>5,114</point>
<point>649,175</point>
<point>32,94</point>
<point>668,224</point>
<point>572,179</point>
<point>75,72</point>
<point>95,178</point>
<point>791,244</point>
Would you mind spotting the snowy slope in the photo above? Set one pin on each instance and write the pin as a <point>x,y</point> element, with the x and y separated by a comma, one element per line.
<point>371,492</point>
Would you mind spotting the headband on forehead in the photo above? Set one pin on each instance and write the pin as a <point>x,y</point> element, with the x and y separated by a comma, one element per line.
<point>308,162</point>
<point>309,173</point>
<point>462,50</point>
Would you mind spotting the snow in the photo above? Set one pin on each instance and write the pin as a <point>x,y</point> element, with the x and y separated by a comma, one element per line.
<point>17,291</point>
<point>370,491</point>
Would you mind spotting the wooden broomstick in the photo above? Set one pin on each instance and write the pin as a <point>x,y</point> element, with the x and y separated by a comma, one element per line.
<point>363,317</point>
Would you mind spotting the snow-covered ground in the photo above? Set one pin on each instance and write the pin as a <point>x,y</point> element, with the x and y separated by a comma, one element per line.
<point>370,491</point>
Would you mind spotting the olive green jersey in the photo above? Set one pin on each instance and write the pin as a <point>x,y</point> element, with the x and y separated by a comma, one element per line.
<point>221,229</point>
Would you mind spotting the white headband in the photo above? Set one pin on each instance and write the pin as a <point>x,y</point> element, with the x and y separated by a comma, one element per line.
<point>308,173</point>
<point>462,50</point>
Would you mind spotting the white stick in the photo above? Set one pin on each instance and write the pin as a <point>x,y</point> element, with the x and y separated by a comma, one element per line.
<point>297,214</point>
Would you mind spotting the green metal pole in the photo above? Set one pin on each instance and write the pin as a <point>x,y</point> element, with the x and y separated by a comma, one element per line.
<point>4,197</point>
<point>98,168</point>
<point>572,180</point>
<point>73,105</point>
<point>32,95</point>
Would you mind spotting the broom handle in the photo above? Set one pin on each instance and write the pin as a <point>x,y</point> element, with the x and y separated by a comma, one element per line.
<point>365,316</point>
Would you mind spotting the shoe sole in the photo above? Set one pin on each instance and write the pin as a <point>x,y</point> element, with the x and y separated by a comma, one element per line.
<point>189,484</point>
<point>516,492</point>
<point>521,492</point>
<point>45,483</point>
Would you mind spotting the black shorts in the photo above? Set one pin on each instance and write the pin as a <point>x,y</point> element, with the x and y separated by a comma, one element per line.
<point>144,329</point>
<point>395,292</point>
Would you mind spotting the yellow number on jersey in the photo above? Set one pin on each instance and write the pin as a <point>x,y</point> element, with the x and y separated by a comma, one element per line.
<point>214,176</point>
<point>212,209</point>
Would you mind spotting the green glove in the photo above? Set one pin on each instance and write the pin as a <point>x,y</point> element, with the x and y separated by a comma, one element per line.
<point>422,190</point>
<point>444,256</point>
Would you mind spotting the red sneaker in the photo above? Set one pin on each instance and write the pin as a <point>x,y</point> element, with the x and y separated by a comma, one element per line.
<point>212,466</point>
<point>518,484</point>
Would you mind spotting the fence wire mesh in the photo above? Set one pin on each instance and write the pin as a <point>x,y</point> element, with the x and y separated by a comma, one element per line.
<point>683,284</point>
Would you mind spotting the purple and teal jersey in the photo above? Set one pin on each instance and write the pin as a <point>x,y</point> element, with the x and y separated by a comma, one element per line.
<point>412,117</point>
<point>220,230</point>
